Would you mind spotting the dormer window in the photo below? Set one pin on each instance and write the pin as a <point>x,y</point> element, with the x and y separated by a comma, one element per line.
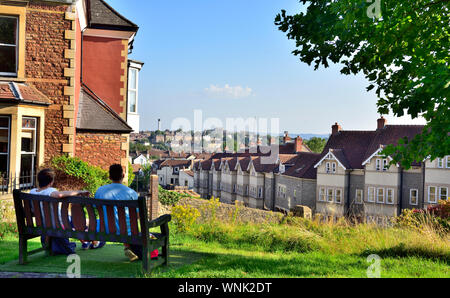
<point>385,165</point>
<point>328,167</point>
<point>8,45</point>
<point>378,165</point>
<point>440,163</point>
<point>333,167</point>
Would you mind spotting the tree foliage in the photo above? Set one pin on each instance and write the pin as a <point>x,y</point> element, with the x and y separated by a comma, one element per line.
<point>316,144</point>
<point>402,50</point>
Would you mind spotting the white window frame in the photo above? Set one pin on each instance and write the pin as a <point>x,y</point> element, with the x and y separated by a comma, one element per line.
<point>333,167</point>
<point>371,191</point>
<point>378,195</point>
<point>440,193</point>
<point>12,74</point>
<point>8,129</point>
<point>359,194</point>
<point>322,194</point>
<point>378,164</point>
<point>330,195</point>
<point>411,197</point>
<point>440,163</point>
<point>435,193</point>
<point>336,196</point>
<point>260,192</point>
<point>447,162</point>
<point>387,196</point>
<point>385,165</point>
<point>328,167</point>
<point>135,90</point>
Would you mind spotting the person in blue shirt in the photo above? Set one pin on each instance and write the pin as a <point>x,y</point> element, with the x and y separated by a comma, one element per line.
<point>117,191</point>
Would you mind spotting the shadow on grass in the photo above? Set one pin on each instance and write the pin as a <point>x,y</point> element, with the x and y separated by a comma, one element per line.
<point>109,261</point>
<point>401,251</point>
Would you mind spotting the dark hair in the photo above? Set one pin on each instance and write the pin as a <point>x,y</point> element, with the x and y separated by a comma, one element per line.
<point>115,172</point>
<point>46,177</point>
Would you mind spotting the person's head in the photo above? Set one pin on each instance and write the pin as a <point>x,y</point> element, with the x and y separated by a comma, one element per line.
<point>46,178</point>
<point>116,173</point>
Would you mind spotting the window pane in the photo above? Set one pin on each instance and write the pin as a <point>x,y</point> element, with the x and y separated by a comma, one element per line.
<point>28,123</point>
<point>4,140</point>
<point>8,59</point>
<point>132,79</point>
<point>443,194</point>
<point>4,122</point>
<point>3,165</point>
<point>132,101</point>
<point>28,141</point>
<point>8,30</point>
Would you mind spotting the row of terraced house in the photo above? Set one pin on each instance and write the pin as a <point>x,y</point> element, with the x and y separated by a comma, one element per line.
<point>350,177</point>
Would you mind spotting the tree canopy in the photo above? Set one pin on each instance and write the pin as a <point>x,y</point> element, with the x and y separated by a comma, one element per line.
<point>401,47</point>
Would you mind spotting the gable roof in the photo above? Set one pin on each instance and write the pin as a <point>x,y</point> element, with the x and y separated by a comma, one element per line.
<point>96,115</point>
<point>103,16</point>
<point>175,163</point>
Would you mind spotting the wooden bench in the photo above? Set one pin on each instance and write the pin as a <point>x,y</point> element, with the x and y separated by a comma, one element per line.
<point>39,216</point>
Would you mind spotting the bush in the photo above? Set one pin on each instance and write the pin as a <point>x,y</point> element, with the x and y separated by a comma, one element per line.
<point>74,171</point>
<point>169,198</point>
<point>184,216</point>
<point>7,229</point>
<point>7,212</point>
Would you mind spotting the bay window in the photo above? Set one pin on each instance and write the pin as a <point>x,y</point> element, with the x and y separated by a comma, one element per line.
<point>4,145</point>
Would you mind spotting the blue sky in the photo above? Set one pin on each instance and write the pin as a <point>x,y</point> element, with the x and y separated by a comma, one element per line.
<point>228,59</point>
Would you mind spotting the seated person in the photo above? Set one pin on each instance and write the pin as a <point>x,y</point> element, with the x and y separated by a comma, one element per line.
<point>118,191</point>
<point>46,179</point>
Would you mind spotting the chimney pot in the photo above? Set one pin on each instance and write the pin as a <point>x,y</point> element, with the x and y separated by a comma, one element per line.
<point>298,144</point>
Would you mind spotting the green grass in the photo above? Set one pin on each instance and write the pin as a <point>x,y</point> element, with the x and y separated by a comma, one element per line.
<point>192,257</point>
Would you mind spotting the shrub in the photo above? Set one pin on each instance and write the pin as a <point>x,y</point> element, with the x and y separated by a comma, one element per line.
<point>169,198</point>
<point>184,216</point>
<point>7,212</point>
<point>435,218</point>
<point>209,210</point>
<point>76,170</point>
<point>131,175</point>
<point>7,229</point>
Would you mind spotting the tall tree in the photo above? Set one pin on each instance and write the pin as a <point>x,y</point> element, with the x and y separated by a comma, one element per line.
<point>402,47</point>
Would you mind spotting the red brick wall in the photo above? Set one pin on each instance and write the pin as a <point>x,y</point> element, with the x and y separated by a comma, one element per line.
<point>44,66</point>
<point>100,149</point>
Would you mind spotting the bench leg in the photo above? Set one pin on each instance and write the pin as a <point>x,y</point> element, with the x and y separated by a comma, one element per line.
<point>145,259</point>
<point>23,250</point>
<point>165,251</point>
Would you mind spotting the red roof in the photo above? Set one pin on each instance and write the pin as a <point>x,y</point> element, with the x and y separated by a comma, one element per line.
<point>22,93</point>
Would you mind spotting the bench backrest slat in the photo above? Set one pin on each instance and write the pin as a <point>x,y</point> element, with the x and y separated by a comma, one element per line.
<point>78,217</point>
<point>122,221</point>
<point>92,218</point>
<point>28,213</point>
<point>37,213</point>
<point>52,217</point>
<point>65,216</point>
<point>111,219</point>
<point>133,221</point>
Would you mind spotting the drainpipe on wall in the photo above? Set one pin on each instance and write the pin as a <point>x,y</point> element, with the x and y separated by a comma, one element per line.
<point>347,201</point>
<point>400,196</point>
<point>422,202</point>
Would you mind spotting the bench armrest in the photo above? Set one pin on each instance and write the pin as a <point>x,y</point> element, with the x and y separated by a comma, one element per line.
<point>165,219</point>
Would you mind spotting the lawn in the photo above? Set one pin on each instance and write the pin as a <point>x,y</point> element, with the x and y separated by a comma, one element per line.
<point>192,257</point>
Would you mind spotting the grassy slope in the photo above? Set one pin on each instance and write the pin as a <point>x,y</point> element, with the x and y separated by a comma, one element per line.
<point>247,251</point>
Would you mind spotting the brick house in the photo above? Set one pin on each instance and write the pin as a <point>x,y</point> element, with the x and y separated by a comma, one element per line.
<point>63,84</point>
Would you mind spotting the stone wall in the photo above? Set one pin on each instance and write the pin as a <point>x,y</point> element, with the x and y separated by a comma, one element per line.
<point>100,149</point>
<point>224,211</point>
<point>45,61</point>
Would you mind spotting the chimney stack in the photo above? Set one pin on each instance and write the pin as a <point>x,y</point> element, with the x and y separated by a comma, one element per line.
<point>381,123</point>
<point>286,137</point>
<point>298,144</point>
<point>336,128</point>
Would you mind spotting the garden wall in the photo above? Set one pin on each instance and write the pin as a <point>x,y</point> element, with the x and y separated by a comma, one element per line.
<point>225,212</point>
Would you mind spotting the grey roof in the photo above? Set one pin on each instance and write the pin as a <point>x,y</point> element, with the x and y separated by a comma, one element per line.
<point>103,16</point>
<point>94,114</point>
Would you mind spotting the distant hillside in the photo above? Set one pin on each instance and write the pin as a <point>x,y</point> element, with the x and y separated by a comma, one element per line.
<point>307,136</point>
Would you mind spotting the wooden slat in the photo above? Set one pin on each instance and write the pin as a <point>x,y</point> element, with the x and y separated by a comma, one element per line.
<point>65,216</point>
<point>92,218</point>
<point>122,221</point>
<point>101,213</point>
<point>47,215</point>
<point>56,215</point>
<point>28,214</point>
<point>78,217</point>
<point>133,221</point>
<point>111,219</point>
